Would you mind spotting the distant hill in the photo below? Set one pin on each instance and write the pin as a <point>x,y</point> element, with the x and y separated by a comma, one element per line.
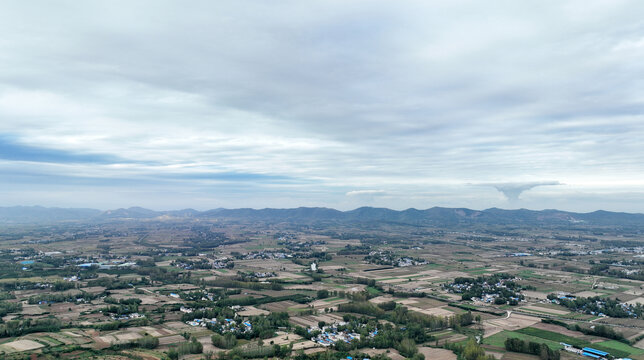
<point>434,216</point>
<point>130,213</point>
<point>299,214</point>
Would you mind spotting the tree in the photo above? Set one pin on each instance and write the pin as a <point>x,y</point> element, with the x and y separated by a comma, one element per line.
<point>148,342</point>
<point>473,351</point>
<point>407,347</point>
<point>227,341</point>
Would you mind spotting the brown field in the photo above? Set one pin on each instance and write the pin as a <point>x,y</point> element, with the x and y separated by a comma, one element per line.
<point>166,340</point>
<point>127,336</point>
<point>639,344</point>
<point>437,354</point>
<point>67,339</point>
<point>588,293</point>
<point>252,311</point>
<point>305,321</point>
<point>322,304</point>
<point>289,275</point>
<point>639,300</point>
<point>639,323</point>
<point>314,350</point>
<point>535,294</point>
<point>355,288</point>
<point>437,311</point>
<point>176,325</point>
<point>306,344</point>
<point>94,289</point>
<point>281,306</point>
<point>393,281</point>
<point>383,299</point>
<point>331,267</point>
<point>284,339</point>
<point>208,347</point>
<point>108,339</point>
<point>497,355</point>
<point>312,320</point>
<point>393,354</point>
<point>514,322</point>
<point>560,330</point>
<point>72,334</point>
<point>148,298</point>
<point>408,301</point>
<point>23,345</point>
<point>452,339</point>
<point>32,309</point>
<point>155,331</point>
<point>180,287</point>
<point>634,291</point>
<point>314,287</point>
<point>544,309</point>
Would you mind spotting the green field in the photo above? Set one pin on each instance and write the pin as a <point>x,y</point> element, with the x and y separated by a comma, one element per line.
<point>499,339</point>
<point>478,272</point>
<point>614,347</point>
<point>373,291</point>
<point>553,336</point>
<point>331,299</point>
<point>48,340</point>
<point>436,266</point>
<point>442,333</point>
<point>535,311</point>
<point>529,274</point>
<point>617,348</point>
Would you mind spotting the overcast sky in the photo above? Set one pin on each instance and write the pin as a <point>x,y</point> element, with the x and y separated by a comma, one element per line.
<point>206,104</point>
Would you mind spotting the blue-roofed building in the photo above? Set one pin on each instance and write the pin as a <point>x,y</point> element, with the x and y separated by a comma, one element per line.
<point>593,353</point>
<point>87,265</point>
<point>590,355</point>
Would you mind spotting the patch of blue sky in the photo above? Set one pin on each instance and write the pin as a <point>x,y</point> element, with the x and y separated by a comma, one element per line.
<point>12,149</point>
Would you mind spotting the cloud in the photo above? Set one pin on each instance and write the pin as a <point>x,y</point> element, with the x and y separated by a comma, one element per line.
<point>631,44</point>
<point>513,190</point>
<point>365,192</point>
<point>319,98</point>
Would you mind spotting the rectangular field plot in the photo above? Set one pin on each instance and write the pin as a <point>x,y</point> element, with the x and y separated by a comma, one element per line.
<point>498,339</point>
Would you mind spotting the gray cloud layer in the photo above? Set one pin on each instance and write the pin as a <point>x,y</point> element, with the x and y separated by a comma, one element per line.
<point>244,103</point>
<point>512,191</point>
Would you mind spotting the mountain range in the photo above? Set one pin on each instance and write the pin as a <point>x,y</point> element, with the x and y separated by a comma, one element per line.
<point>431,216</point>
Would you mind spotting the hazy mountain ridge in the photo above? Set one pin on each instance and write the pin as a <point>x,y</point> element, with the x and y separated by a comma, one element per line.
<point>431,216</point>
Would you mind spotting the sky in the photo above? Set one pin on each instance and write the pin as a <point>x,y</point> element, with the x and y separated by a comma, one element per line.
<point>398,104</point>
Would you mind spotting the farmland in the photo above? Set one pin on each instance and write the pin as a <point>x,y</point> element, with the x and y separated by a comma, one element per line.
<point>180,288</point>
